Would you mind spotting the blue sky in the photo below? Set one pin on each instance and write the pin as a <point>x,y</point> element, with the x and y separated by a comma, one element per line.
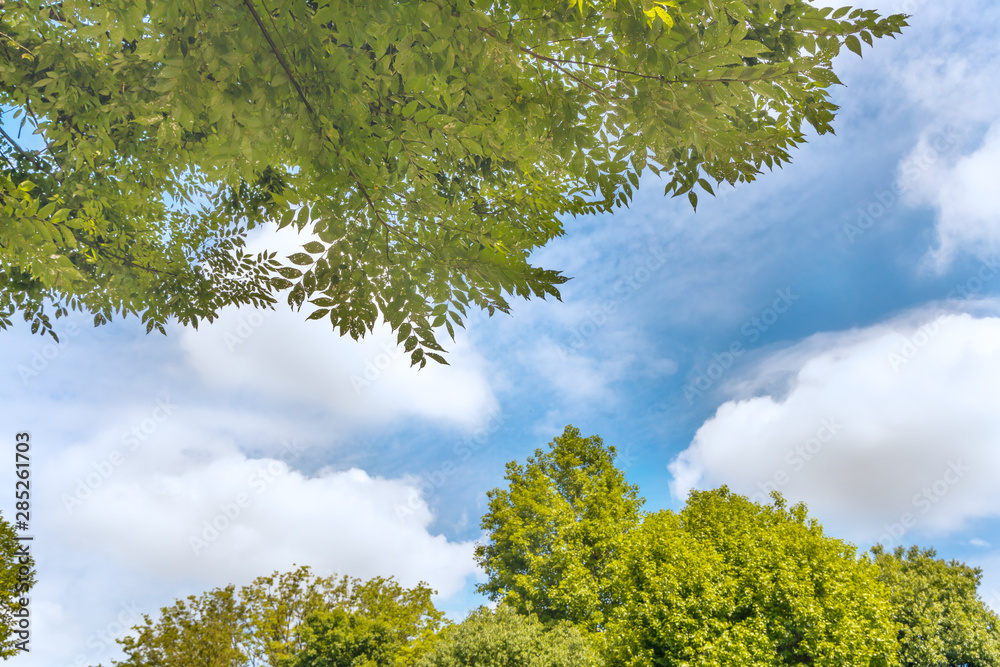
<point>831,330</point>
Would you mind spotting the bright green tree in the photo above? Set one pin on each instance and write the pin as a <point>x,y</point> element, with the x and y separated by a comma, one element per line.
<point>723,582</point>
<point>729,582</point>
<point>16,580</point>
<point>341,639</point>
<point>504,638</point>
<point>426,146</point>
<point>556,528</point>
<point>944,622</point>
<point>277,617</point>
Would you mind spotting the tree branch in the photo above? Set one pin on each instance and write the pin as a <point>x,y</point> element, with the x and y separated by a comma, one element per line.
<point>10,140</point>
<point>312,112</point>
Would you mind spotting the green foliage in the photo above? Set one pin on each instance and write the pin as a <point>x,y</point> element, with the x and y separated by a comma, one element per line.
<point>429,146</point>
<point>340,639</point>
<point>943,620</point>
<point>287,617</point>
<point>555,530</point>
<point>730,582</point>
<point>15,585</point>
<point>723,582</point>
<point>505,638</point>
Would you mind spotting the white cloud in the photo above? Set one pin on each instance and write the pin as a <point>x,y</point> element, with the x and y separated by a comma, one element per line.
<point>945,69</point>
<point>368,382</point>
<point>949,72</point>
<point>888,427</point>
<point>186,460</point>
<point>966,198</point>
<point>182,507</point>
<point>278,355</point>
<point>123,527</point>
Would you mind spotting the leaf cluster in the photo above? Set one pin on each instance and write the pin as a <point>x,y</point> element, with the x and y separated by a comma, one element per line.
<point>286,619</point>
<point>505,638</point>
<point>427,146</point>
<point>942,619</point>
<point>724,581</point>
<point>555,530</point>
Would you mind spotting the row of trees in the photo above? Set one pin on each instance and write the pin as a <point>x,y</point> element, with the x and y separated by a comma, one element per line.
<point>583,577</point>
<point>428,147</point>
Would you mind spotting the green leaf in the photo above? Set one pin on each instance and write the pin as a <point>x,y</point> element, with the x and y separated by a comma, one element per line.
<point>289,272</point>
<point>438,358</point>
<point>424,115</point>
<point>297,296</point>
<point>853,44</point>
<point>423,132</point>
<point>301,259</point>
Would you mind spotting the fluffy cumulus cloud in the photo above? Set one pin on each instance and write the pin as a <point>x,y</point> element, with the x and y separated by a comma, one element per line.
<point>145,503</point>
<point>278,355</point>
<point>948,76</point>
<point>186,508</point>
<point>965,198</point>
<point>368,382</point>
<point>884,432</point>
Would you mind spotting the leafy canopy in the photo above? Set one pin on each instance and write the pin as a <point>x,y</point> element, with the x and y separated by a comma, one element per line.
<point>726,581</point>
<point>942,619</point>
<point>339,639</point>
<point>555,529</point>
<point>723,582</point>
<point>282,619</point>
<point>504,638</point>
<point>426,146</point>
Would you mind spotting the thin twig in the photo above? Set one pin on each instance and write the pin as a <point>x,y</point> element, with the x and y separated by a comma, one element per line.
<point>551,61</point>
<point>24,154</point>
<point>312,112</point>
<point>280,57</point>
<point>18,45</point>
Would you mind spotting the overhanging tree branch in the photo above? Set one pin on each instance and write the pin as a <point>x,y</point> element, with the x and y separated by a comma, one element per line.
<point>312,113</point>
